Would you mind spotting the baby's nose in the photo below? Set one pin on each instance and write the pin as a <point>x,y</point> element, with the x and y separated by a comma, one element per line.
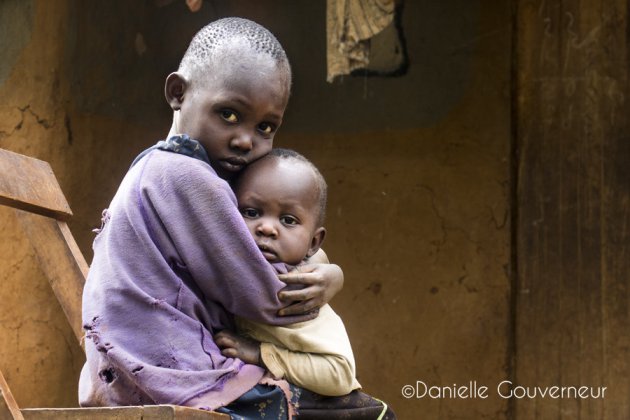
<point>267,228</point>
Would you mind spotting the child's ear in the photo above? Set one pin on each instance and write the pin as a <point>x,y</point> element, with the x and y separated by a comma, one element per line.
<point>316,241</point>
<point>174,90</point>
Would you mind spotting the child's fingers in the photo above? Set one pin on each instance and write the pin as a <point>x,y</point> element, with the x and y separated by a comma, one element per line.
<point>312,292</point>
<point>299,308</point>
<point>222,342</point>
<point>289,296</point>
<point>229,352</point>
<point>295,277</point>
<point>224,339</point>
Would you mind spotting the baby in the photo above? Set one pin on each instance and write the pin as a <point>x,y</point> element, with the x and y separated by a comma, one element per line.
<point>282,198</point>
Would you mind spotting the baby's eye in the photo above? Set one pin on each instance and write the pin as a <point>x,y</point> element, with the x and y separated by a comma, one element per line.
<point>266,128</point>
<point>249,213</point>
<point>289,220</point>
<point>229,116</point>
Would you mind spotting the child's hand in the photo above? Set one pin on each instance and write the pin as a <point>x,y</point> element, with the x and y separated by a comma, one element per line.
<point>322,281</point>
<point>235,346</point>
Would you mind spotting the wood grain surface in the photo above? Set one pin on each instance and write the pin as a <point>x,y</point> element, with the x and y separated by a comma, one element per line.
<point>573,190</point>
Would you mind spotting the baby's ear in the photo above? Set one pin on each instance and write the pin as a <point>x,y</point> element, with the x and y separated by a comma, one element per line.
<point>174,89</point>
<point>316,241</point>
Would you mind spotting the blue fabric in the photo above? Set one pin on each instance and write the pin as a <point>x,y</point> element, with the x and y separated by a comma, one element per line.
<point>260,402</point>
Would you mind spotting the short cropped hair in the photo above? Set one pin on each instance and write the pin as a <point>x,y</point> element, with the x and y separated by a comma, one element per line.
<point>322,187</point>
<point>208,45</point>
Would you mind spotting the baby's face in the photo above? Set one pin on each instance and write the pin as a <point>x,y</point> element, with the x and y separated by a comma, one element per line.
<point>235,113</point>
<point>278,199</point>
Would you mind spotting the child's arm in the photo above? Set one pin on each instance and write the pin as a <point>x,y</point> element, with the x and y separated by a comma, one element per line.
<point>197,225</point>
<point>315,354</point>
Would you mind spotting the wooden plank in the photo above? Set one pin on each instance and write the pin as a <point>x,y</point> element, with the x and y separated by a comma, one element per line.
<point>179,412</point>
<point>573,190</point>
<point>9,409</point>
<point>61,261</point>
<point>162,412</point>
<point>105,413</point>
<point>29,184</point>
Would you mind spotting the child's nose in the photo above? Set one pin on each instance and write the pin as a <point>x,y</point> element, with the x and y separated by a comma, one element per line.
<point>243,142</point>
<point>266,228</point>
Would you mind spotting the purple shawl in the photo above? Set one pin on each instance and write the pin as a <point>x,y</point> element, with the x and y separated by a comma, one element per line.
<point>173,262</point>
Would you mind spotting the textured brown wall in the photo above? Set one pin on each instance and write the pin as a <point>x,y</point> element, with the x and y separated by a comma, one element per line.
<point>418,168</point>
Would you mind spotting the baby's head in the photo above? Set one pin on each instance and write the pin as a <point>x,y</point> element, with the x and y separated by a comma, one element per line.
<point>282,198</point>
<point>230,92</point>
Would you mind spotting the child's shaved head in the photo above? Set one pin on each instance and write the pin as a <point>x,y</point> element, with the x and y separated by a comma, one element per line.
<point>230,93</point>
<point>225,37</point>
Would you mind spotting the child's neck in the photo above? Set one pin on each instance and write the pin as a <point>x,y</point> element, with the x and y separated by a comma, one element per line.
<point>173,130</point>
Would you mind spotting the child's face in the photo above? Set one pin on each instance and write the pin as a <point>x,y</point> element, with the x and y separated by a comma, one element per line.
<point>235,113</point>
<point>279,201</point>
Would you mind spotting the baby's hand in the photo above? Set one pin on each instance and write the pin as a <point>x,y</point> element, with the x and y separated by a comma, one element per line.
<point>235,346</point>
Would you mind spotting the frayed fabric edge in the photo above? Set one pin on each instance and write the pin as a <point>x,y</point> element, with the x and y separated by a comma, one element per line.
<point>292,406</point>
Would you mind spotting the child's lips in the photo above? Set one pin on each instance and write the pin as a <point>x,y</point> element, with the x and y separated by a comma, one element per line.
<point>234,164</point>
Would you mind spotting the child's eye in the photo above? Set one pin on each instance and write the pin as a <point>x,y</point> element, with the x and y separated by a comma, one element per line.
<point>229,116</point>
<point>289,220</point>
<point>249,213</point>
<point>265,128</point>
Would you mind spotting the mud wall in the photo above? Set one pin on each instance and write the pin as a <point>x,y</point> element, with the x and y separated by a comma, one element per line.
<point>418,169</point>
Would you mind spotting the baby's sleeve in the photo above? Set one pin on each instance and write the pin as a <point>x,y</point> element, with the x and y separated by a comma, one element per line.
<point>314,354</point>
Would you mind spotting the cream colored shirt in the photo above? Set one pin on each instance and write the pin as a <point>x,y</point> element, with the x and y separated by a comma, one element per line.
<point>314,354</point>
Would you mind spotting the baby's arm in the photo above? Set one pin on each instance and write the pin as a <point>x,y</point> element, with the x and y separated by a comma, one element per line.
<point>324,374</point>
<point>315,354</point>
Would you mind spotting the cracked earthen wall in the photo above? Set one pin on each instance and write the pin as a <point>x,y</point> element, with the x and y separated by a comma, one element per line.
<point>418,168</point>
